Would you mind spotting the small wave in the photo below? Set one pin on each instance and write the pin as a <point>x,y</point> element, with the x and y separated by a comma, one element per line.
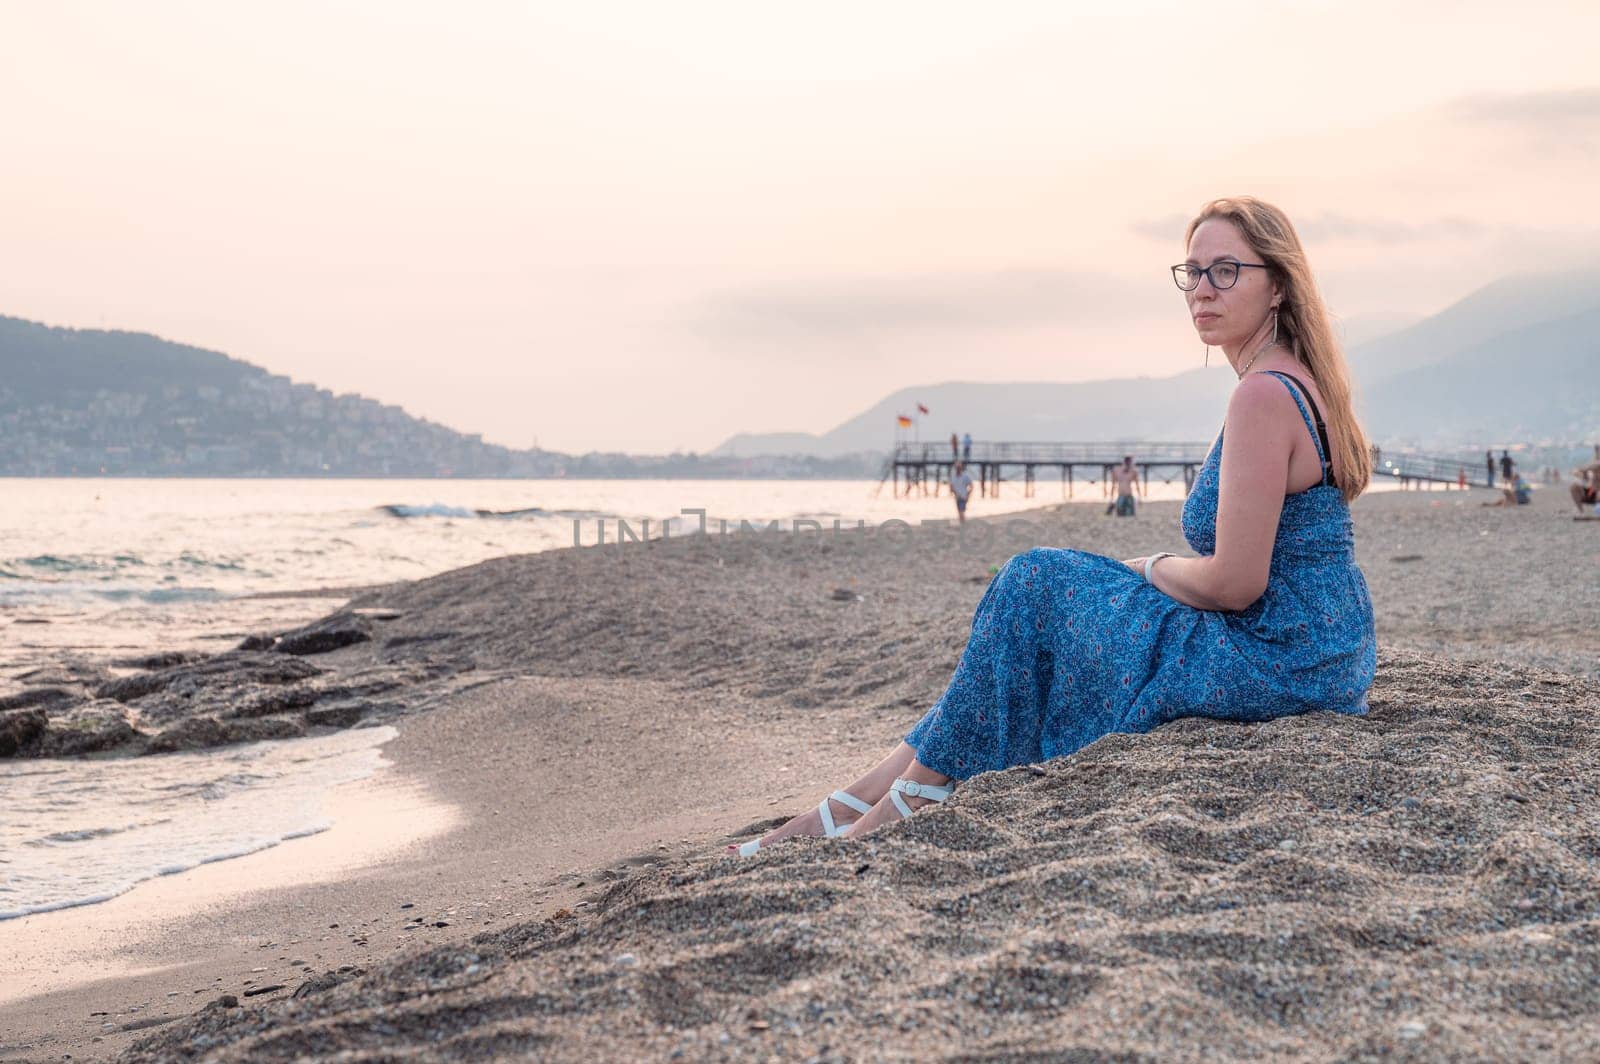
<point>158,595</point>
<point>200,562</point>
<point>35,592</point>
<point>171,869</point>
<point>65,851</point>
<point>585,513</point>
<point>71,564</point>
<point>437,509</point>
<point>80,835</point>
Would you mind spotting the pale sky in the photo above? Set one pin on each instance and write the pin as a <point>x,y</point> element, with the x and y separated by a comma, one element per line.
<point>646,226</point>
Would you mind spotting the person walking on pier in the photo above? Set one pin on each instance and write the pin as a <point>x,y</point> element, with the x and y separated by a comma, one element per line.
<point>1269,615</point>
<point>1507,466</point>
<point>966,447</point>
<point>1126,479</point>
<point>960,488</point>
<point>955,448</point>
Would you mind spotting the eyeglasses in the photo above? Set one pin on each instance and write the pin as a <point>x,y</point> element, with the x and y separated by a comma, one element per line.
<point>1223,274</point>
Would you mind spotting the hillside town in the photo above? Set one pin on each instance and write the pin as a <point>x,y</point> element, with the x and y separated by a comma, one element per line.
<point>267,425</point>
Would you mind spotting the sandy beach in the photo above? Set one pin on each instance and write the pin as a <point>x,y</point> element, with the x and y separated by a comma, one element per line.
<point>580,730</point>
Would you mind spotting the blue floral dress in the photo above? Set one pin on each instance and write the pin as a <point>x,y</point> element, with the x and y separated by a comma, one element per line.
<point>1067,646</point>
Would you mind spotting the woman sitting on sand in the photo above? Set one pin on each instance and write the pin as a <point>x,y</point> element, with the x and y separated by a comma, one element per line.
<point>1271,618</point>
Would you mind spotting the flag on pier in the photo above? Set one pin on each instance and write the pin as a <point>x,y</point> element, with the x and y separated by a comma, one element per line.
<point>921,409</point>
<point>904,421</point>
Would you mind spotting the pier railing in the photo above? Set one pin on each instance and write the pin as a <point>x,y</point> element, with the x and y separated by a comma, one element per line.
<point>923,465</point>
<point>1434,468</point>
<point>1053,453</point>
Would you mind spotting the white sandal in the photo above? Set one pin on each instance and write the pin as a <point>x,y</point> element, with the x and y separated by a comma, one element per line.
<point>913,789</point>
<point>829,828</point>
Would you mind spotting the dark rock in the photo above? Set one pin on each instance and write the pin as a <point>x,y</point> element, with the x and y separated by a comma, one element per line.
<point>253,991</point>
<point>129,688</point>
<point>163,660</point>
<point>260,641</point>
<point>337,715</point>
<point>19,728</point>
<point>232,668</point>
<point>197,733</point>
<point>277,700</point>
<point>226,1001</point>
<point>369,682</point>
<point>330,633</point>
<point>86,729</point>
<point>327,980</point>
<point>63,674</point>
<point>413,640</point>
<point>46,697</point>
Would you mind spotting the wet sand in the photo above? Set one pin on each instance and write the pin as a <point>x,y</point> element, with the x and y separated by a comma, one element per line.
<point>1412,884</point>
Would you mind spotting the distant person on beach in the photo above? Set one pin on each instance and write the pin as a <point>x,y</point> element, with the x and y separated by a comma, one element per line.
<point>1270,616</point>
<point>1507,466</point>
<point>1125,479</point>
<point>966,446</point>
<point>1516,493</point>
<point>1586,485</point>
<point>960,488</point>
<point>1489,457</point>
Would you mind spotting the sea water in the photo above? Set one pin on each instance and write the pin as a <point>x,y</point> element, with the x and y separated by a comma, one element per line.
<point>102,569</point>
<point>76,832</point>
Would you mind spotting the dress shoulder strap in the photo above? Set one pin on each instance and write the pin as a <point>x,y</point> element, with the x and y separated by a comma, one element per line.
<point>1319,429</point>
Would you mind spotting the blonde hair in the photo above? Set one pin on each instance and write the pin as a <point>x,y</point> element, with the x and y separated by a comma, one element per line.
<point>1303,318</point>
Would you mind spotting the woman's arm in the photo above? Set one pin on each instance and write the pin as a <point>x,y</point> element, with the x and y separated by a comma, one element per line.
<point>1256,446</point>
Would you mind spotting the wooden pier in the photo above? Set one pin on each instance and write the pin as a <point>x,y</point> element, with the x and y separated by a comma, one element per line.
<point>1418,469</point>
<point>926,467</point>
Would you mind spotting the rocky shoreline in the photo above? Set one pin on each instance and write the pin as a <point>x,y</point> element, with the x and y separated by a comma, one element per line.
<point>267,688</point>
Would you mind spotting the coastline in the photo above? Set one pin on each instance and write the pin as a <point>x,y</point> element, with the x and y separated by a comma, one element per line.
<point>615,752</point>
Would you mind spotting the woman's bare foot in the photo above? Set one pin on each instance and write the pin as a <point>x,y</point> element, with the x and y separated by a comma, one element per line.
<point>869,788</point>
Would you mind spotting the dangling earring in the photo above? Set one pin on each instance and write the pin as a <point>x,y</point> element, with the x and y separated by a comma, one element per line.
<point>1208,355</point>
<point>1274,325</point>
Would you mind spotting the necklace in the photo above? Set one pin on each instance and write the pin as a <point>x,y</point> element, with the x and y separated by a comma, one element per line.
<point>1246,367</point>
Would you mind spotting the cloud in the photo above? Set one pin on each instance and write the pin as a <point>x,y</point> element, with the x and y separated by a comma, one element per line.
<point>1333,226</point>
<point>857,307</point>
<point>1530,109</point>
<point>1168,230</point>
